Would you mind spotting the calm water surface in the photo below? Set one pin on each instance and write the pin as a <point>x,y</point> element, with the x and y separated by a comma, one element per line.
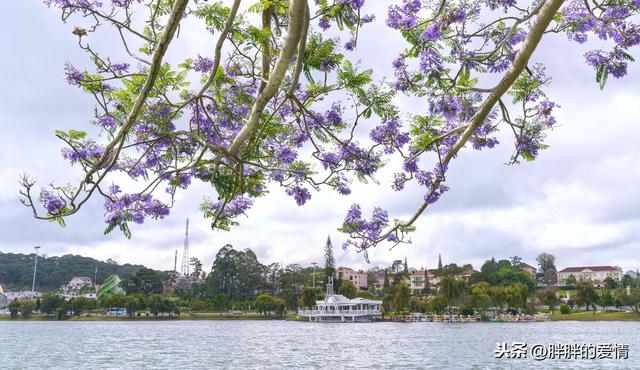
<point>297,345</point>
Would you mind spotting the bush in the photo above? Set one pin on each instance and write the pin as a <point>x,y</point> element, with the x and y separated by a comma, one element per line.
<point>564,309</point>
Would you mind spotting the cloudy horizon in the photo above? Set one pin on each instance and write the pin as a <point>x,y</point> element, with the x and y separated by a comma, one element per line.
<point>577,201</point>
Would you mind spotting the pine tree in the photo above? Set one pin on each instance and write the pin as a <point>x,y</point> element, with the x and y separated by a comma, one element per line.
<point>427,288</point>
<point>386,281</point>
<point>439,262</point>
<point>406,267</point>
<point>329,260</point>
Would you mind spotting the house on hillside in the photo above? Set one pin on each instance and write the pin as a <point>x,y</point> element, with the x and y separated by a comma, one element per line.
<point>597,274</point>
<point>359,279</point>
<point>525,267</point>
<point>75,286</point>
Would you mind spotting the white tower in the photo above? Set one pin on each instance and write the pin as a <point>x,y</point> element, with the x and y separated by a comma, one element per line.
<point>184,270</point>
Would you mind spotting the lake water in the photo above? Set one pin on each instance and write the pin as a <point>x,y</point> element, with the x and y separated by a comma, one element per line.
<point>299,345</point>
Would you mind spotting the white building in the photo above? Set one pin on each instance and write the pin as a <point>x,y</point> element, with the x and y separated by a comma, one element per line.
<point>336,307</point>
<point>22,295</point>
<point>75,285</point>
<point>597,274</point>
<point>79,282</point>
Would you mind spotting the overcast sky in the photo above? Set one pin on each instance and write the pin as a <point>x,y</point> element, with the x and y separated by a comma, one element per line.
<point>579,201</point>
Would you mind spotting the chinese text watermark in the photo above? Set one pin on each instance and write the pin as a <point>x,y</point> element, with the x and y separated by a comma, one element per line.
<point>562,351</point>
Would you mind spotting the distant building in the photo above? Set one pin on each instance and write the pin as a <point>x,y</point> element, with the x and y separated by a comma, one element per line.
<point>632,274</point>
<point>79,281</point>
<point>465,275</point>
<point>593,273</point>
<point>75,285</point>
<point>417,280</point>
<point>338,308</point>
<point>110,287</point>
<point>21,295</point>
<point>528,269</point>
<point>359,279</point>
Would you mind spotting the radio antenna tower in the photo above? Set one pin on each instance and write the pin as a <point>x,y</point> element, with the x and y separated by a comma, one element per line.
<point>185,253</point>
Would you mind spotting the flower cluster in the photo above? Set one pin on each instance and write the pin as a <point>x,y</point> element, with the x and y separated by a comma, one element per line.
<point>201,64</point>
<point>52,202</point>
<point>234,208</point>
<point>134,207</point>
<point>299,193</point>
<point>404,17</point>
<point>73,75</point>
<point>358,227</point>
<point>388,134</point>
<point>86,151</point>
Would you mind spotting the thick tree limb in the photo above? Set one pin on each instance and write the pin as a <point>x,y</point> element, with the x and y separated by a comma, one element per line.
<point>545,17</point>
<point>297,11</point>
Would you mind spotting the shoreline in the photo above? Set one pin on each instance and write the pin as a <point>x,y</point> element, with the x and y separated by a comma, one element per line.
<point>576,316</point>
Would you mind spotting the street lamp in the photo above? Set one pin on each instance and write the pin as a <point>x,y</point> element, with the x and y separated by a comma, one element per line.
<point>35,267</point>
<point>314,274</point>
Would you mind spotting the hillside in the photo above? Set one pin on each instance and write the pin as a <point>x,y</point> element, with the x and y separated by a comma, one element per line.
<point>16,270</point>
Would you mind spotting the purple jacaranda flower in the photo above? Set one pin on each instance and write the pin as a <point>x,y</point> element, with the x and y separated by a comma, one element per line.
<point>201,64</point>
<point>299,193</point>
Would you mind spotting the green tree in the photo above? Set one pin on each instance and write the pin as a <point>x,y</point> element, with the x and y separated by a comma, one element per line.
<point>586,294</point>
<point>570,281</point>
<point>516,261</point>
<point>155,303</point>
<point>293,279</point>
<point>402,297</point>
<point>81,304</point>
<point>480,296</point>
<point>417,305</point>
<point>146,282</point>
<point>50,303</point>
<point>629,297</point>
<point>197,268</point>
<point>26,307</point>
<point>427,286</point>
<point>14,308</point>
<point>309,297</point>
<point>265,304</point>
<point>406,266</point>
<point>516,296</point>
<point>113,301</point>
<point>280,307</point>
<point>549,297</point>
<point>329,260</point>
<point>611,283</point>
<point>385,285</point>
<point>170,306</point>
<point>626,281</point>
<point>547,264</point>
<point>498,296</point>
<point>451,289</point>
<point>348,289</point>
<point>438,303</point>
<point>238,274</point>
<point>606,299</point>
<point>133,303</point>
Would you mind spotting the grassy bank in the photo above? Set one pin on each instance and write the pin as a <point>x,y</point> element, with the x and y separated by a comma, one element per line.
<point>600,316</point>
